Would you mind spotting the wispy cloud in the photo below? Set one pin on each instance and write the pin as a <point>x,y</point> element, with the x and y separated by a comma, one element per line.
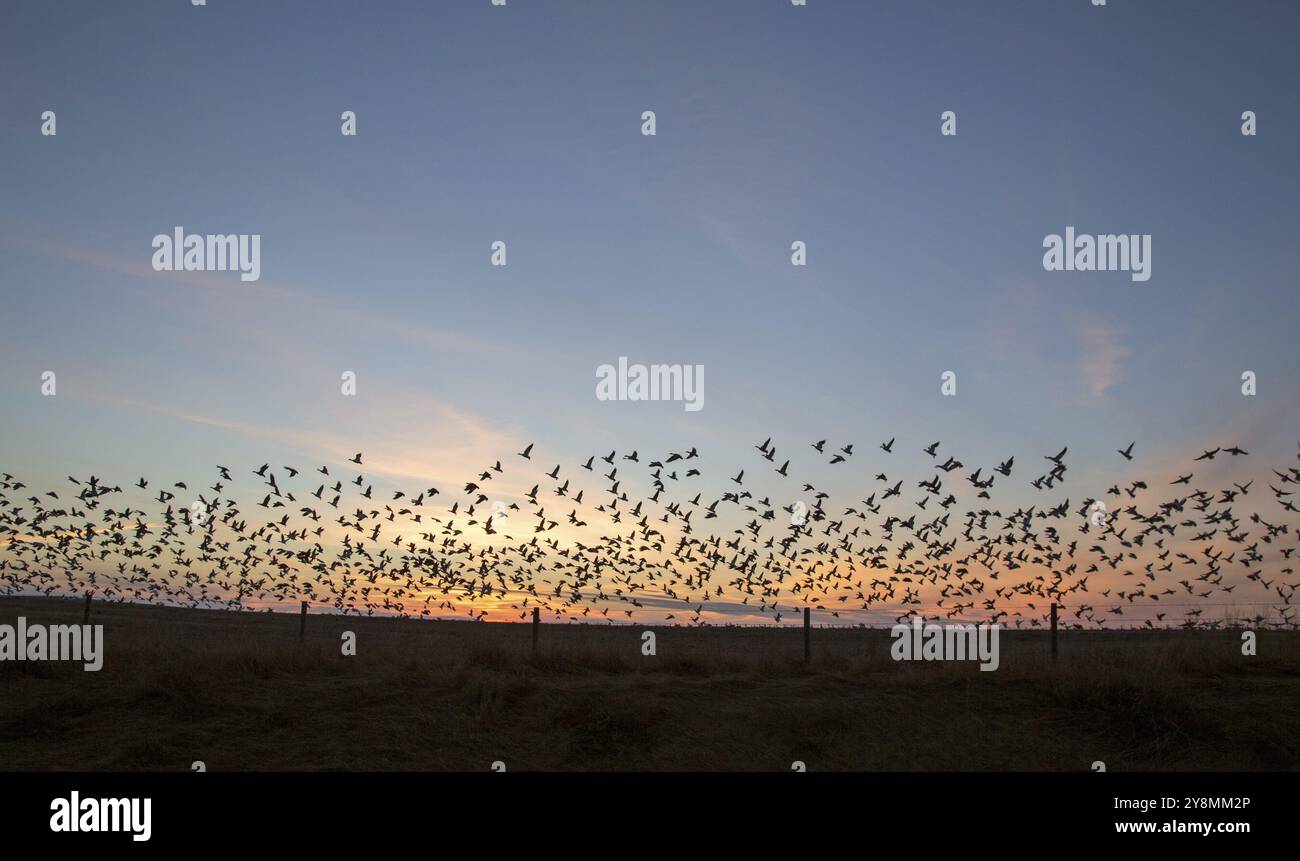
<point>238,301</point>
<point>1102,355</point>
<point>466,445</point>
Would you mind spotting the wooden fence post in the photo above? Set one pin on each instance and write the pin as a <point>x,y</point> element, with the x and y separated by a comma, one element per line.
<point>85,614</point>
<point>537,625</point>
<point>807,635</point>
<point>1053,630</point>
<point>302,622</point>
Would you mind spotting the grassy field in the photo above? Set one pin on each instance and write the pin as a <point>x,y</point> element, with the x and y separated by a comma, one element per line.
<point>238,691</point>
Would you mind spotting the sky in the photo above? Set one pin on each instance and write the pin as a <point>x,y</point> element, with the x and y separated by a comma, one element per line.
<point>522,123</point>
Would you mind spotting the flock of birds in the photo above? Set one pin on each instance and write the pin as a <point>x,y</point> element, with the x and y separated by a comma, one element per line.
<point>938,547</point>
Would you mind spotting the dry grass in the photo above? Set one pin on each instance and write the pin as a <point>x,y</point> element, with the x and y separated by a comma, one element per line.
<point>241,693</point>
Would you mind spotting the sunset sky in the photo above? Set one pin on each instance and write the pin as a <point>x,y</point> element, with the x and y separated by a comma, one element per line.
<point>774,124</point>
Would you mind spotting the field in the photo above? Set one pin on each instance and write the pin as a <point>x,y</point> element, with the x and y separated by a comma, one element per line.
<point>238,691</point>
